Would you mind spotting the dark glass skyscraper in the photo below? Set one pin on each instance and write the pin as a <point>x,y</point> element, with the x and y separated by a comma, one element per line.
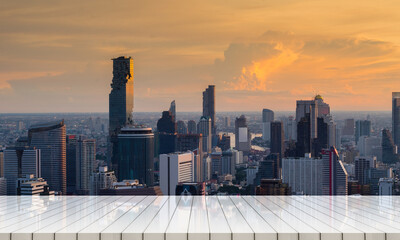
<point>277,138</point>
<point>136,152</point>
<point>396,117</point>
<point>166,128</point>
<point>50,138</point>
<point>209,106</point>
<point>363,128</point>
<point>120,103</point>
<point>389,152</point>
<point>71,163</point>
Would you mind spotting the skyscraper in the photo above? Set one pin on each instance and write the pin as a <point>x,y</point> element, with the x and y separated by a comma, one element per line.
<point>363,128</point>
<point>334,175</point>
<point>242,135</point>
<point>268,168</point>
<point>19,162</point>
<point>181,127</point>
<point>303,144</point>
<point>50,138</point>
<point>209,106</point>
<point>267,118</point>
<point>85,160</point>
<point>71,141</point>
<point>136,152</point>
<point>172,109</point>
<point>348,129</point>
<point>204,128</point>
<point>308,107</point>
<point>277,139</point>
<point>396,117</point>
<point>166,130</point>
<point>361,165</point>
<point>192,127</point>
<point>175,168</point>
<point>389,148</point>
<point>120,103</point>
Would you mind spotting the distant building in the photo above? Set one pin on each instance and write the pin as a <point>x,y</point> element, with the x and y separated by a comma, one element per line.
<point>194,143</point>
<point>370,146</point>
<point>103,179</point>
<point>172,109</point>
<point>175,168</point>
<point>71,143</point>
<point>181,127</point>
<point>3,186</point>
<point>228,161</point>
<point>396,117</point>
<point>192,127</point>
<point>1,163</point>
<point>130,187</point>
<point>227,122</point>
<point>363,128</point>
<point>209,106</point>
<point>136,152</point>
<point>386,186</point>
<point>389,149</point>
<point>309,109</point>
<point>251,174</point>
<point>268,169</point>
<point>334,175</point>
<point>224,142</point>
<point>50,138</point>
<point>85,160</point>
<point>32,186</point>
<point>277,139</point>
<point>166,128</point>
<point>374,175</point>
<point>216,161</point>
<point>273,187</point>
<point>304,141</point>
<point>204,128</point>
<point>267,118</point>
<point>19,162</point>
<point>290,128</point>
<point>120,103</point>
<point>348,129</point>
<point>361,165</point>
<point>242,135</point>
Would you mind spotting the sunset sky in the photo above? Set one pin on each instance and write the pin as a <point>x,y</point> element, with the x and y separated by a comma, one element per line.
<point>55,55</point>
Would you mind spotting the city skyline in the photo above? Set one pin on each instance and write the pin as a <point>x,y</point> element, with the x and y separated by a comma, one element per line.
<point>56,59</point>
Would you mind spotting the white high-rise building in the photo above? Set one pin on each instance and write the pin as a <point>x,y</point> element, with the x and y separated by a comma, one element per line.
<point>175,168</point>
<point>85,160</point>
<point>19,162</point>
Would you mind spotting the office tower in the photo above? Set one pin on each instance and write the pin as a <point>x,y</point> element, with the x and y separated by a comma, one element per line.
<point>267,118</point>
<point>136,152</point>
<point>181,127</point>
<point>308,108</point>
<point>50,138</point>
<point>172,109</point>
<point>71,141</point>
<point>103,179</point>
<point>33,186</point>
<point>3,186</point>
<point>268,168</point>
<point>361,165</point>
<point>204,127</point>
<point>396,117</point>
<point>192,127</point>
<point>277,138</point>
<point>389,149</point>
<point>194,143</point>
<point>224,142</point>
<point>323,108</point>
<point>290,128</point>
<point>303,144</point>
<point>331,131</point>
<point>375,174</point>
<point>303,175</point>
<point>322,139</point>
<point>348,129</point>
<point>209,106</point>
<point>166,128</point>
<point>120,103</point>
<point>18,162</point>
<point>242,135</point>
<point>228,161</point>
<point>227,122</point>
<point>85,160</point>
<point>363,128</point>
<point>386,186</point>
<point>175,168</point>
<point>334,175</point>
<point>216,161</point>
<point>1,163</point>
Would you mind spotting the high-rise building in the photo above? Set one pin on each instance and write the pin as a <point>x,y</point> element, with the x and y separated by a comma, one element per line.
<point>216,161</point>
<point>3,186</point>
<point>334,175</point>
<point>303,175</point>
<point>50,138</point>
<point>290,127</point>
<point>370,146</point>
<point>192,127</point>
<point>204,128</point>
<point>242,135</point>
<point>322,139</point>
<point>268,169</point>
<point>136,152</point>
<point>228,161</point>
<point>71,141</point>
<point>389,149</point>
<point>1,163</point>
<point>308,108</point>
<point>277,138</point>
<point>85,160</point>
<point>172,109</point>
<point>175,168</point>
<point>267,118</point>
<point>209,106</point>
<point>348,128</point>
<point>166,130</point>
<point>396,117</point>
<point>103,179</point>
<point>120,103</point>
<point>303,144</point>
<point>181,127</point>
<point>224,142</point>
<point>361,165</point>
<point>18,162</point>
<point>363,128</point>
<point>194,143</point>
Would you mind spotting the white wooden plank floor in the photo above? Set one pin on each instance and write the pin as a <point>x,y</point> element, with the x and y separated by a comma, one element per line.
<point>199,218</point>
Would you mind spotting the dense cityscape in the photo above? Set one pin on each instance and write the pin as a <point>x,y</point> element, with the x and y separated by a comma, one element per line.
<point>311,151</point>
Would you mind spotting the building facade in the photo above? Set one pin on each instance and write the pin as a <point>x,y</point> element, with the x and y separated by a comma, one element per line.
<point>175,168</point>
